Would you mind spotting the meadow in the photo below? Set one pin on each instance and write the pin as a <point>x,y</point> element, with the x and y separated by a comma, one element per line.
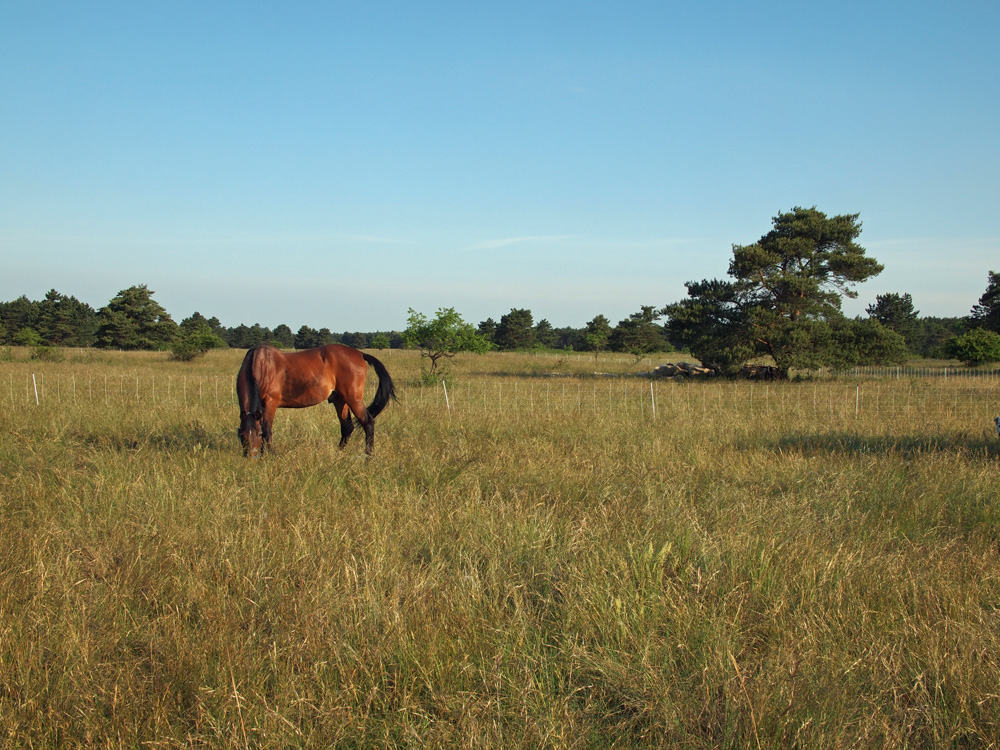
<point>536,556</point>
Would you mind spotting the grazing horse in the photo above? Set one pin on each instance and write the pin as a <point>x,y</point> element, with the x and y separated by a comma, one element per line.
<point>269,379</point>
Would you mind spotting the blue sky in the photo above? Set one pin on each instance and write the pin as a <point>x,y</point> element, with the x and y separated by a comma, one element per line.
<point>333,164</point>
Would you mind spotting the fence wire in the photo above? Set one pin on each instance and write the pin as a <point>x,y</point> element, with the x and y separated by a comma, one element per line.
<point>903,398</point>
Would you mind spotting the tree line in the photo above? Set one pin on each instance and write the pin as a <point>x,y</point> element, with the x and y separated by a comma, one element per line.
<point>134,320</point>
<point>782,302</point>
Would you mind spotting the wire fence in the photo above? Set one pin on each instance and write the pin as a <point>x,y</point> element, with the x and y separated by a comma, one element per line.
<point>120,388</point>
<point>944,373</point>
<point>879,395</point>
<point>727,399</point>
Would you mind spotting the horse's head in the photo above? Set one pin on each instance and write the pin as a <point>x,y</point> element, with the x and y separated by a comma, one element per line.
<point>251,434</point>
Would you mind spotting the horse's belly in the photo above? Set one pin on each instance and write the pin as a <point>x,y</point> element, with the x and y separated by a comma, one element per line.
<point>310,396</point>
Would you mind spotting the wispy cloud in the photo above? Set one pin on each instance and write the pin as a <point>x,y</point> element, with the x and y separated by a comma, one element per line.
<point>507,241</point>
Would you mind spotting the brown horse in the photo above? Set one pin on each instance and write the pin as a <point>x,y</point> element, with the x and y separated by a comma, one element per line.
<point>270,379</point>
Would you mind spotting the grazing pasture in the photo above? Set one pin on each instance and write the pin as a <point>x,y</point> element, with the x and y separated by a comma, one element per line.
<point>527,561</point>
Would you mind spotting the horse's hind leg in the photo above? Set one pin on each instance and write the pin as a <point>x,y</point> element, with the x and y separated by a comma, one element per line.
<point>344,415</point>
<point>368,423</point>
<point>365,420</point>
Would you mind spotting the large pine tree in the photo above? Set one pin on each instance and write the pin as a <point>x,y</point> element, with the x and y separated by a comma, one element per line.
<point>784,296</point>
<point>134,320</point>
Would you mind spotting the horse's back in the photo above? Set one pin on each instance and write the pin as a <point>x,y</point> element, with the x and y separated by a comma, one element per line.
<point>309,376</point>
<point>340,360</point>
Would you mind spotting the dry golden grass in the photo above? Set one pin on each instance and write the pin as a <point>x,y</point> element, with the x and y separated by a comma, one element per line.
<point>544,564</point>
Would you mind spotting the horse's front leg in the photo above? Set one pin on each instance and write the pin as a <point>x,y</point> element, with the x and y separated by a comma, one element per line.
<point>267,428</point>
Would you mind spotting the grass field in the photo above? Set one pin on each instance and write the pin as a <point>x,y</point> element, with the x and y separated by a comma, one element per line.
<point>528,561</point>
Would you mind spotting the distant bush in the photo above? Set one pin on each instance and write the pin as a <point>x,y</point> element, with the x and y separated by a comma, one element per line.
<point>194,342</point>
<point>47,353</point>
<point>28,337</point>
<point>976,347</point>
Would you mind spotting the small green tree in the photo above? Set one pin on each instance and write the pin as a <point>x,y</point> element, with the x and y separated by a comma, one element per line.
<point>195,341</point>
<point>28,337</point>
<point>975,347</point>
<point>597,334</point>
<point>442,337</point>
<point>208,331</point>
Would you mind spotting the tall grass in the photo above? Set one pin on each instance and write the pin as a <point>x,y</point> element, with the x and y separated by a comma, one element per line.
<point>546,563</point>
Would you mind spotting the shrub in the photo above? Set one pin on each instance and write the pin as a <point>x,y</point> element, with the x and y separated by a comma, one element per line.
<point>976,347</point>
<point>47,353</point>
<point>28,337</point>
<point>194,343</point>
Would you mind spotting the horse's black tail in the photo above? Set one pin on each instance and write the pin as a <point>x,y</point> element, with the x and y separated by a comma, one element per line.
<point>386,390</point>
<point>254,405</point>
